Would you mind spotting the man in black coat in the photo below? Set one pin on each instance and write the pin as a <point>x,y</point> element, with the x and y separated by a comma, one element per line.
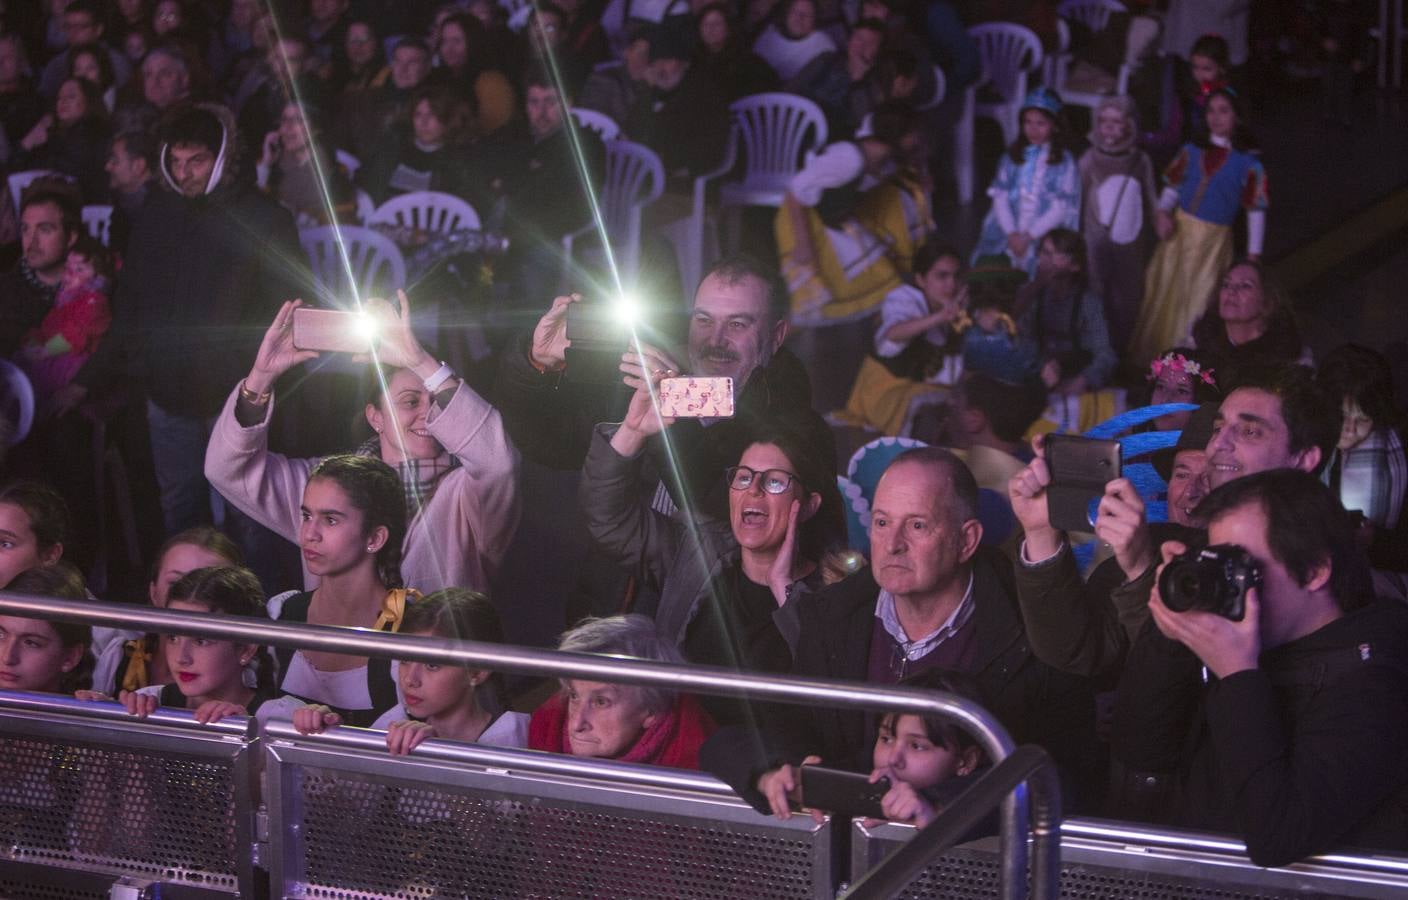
<point>1289,725</point>
<point>932,600</point>
<point>208,264</point>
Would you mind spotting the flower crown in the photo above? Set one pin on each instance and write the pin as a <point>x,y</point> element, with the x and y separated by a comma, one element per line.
<point>1178,364</point>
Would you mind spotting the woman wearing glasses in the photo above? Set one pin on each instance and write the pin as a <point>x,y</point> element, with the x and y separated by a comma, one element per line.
<point>727,590</point>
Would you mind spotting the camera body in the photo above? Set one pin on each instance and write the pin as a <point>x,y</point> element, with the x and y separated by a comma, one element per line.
<point>1215,579</point>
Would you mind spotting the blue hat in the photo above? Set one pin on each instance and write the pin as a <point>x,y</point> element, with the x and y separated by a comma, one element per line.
<point>1044,99</point>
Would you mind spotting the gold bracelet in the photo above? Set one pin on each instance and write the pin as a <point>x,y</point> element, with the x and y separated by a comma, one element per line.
<point>252,398</point>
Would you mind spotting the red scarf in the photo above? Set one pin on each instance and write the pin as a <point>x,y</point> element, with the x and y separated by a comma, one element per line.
<point>672,741</point>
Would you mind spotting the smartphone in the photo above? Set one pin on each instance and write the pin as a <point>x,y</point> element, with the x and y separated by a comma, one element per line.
<point>1080,468</point>
<point>696,398</point>
<point>847,793</point>
<point>335,330</point>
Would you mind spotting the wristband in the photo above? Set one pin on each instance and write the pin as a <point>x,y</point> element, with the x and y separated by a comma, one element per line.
<point>436,381</point>
<point>252,398</point>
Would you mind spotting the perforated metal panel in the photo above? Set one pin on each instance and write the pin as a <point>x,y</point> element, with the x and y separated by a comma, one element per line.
<point>165,815</point>
<point>370,836</point>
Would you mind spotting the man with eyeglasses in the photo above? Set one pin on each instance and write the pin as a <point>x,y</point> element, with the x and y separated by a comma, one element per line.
<point>932,599</point>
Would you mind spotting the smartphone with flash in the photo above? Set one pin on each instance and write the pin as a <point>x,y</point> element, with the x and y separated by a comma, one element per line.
<point>331,330</point>
<point>1080,468</point>
<point>846,793</point>
<point>696,398</point>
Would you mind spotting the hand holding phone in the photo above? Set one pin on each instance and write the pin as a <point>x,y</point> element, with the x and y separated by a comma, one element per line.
<point>696,398</point>
<point>335,330</point>
<point>1080,468</point>
<point>847,793</point>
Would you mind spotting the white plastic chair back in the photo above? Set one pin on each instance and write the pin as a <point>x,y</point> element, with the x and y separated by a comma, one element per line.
<point>775,131</point>
<point>20,180</point>
<point>16,402</point>
<point>1093,14</point>
<point>429,211</point>
<point>634,178</point>
<point>1009,52</point>
<point>604,126</point>
<point>366,206</point>
<point>98,220</point>
<point>940,90</point>
<point>348,162</point>
<point>373,262</point>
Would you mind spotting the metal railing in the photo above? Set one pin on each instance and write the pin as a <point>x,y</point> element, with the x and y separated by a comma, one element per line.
<point>971,717</point>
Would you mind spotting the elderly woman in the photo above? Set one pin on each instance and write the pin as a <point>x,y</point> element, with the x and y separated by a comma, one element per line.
<point>728,591</point>
<point>1248,325</point>
<point>444,440</point>
<point>650,725</point>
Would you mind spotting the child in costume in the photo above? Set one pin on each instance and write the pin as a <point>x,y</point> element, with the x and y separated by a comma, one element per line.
<point>1118,199</point>
<point>1205,187</point>
<point>1037,187</point>
<point>53,353</point>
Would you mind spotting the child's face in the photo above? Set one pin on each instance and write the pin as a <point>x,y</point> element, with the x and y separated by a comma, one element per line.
<point>1222,116</point>
<point>78,271</point>
<point>1050,261</point>
<point>1111,128</point>
<point>903,750</point>
<point>1205,70</point>
<point>1356,426</point>
<point>205,667</point>
<point>430,689</point>
<point>1037,127</point>
<point>19,546</point>
<point>988,318</point>
<point>32,656</point>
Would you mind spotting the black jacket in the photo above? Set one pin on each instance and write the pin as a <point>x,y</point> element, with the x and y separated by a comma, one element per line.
<point>201,282</point>
<point>1034,702</point>
<point>23,305</point>
<point>1305,754</point>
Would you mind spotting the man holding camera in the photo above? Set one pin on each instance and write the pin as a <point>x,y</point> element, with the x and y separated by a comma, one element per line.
<point>1269,695</point>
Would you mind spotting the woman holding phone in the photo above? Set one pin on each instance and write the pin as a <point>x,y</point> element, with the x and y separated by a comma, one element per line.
<point>446,443</point>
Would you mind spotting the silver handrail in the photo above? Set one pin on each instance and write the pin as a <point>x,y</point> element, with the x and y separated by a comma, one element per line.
<point>504,658</point>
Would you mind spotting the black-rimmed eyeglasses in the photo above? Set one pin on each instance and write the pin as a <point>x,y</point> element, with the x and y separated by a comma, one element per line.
<point>774,481</point>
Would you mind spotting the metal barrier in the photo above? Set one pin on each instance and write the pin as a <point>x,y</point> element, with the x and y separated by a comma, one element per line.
<point>704,679</point>
<point>348,821</point>
<point>1102,859</point>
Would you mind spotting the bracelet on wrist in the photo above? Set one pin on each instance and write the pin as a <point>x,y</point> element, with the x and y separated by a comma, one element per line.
<point>253,398</point>
<point>437,380</point>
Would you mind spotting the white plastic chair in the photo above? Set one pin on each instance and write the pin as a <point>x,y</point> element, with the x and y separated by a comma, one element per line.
<point>366,206</point>
<point>376,265</point>
<point>963,137</point>
<point>635,177</point>
<point>1009,52</point>
<point>20,180</point>
<point>98,220</point>
<point>604,126</point>
<point>429,211</point>
<point>16,402</point>
<point>348,162</point>
<point>1095,16</point>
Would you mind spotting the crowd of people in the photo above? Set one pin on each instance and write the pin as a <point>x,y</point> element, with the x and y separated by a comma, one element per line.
<point>1119,269</point>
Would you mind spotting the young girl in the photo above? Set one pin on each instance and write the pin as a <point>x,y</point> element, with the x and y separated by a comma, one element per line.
<point>38,655</point>
<point>991,344</point>
<point>1205,188</point>
<point>130,660</point>
<point>1037,187</point>
<point>1186,96</point>
<point>213,677</point>
<point>449,702</point>
<point>353,524</point>
<point>53,353</point>
<point>1065,322</point>
<point>1118,198</point>
<point>1180,375</point>
<point>33,527</point>
<point>926,758</point>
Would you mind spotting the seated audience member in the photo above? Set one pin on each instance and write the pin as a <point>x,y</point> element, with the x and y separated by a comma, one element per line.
<point>1180,376</point>
<point>932,599</point>
<point>21,105</point>
<point>917,353</point>
<point>260,98</point>
<point>47,657</point>
<point>129,660</point>
<point>729,590</point>
<point>546,32</point>
<point>681,115</point>
<point>92,63</point>
<point>50,223</point>
<point>987,425</point>
<point>1367,470</point>
<point>328,23</point>
<point>621,19</point>
<point>83,25</point>
<point>428,157</point>
<point>1248,325</point>
<point>649,725</point>
<point>34,524</point>
<point>991,343</point>
<point>1063,319</point>
<point>582,38</point>
<point>214,677</point>
<point>166,81</point>
<point>72,139</point>
<point>840,82</point>
<point>131,167</point>
<point>53,353</point>
<point>723,55</point>
<point>296,167</point>
<point>1286,725</point>
<point>792,40</point>
<point>466,66</point>
<point>437,701</point>
<point>367,118</point>
<point>852,219</point>
<point>1283,420</point>
<point>363,66</point>
<point>615,90</point>
<point>444,444</point>
<point>353,519</point>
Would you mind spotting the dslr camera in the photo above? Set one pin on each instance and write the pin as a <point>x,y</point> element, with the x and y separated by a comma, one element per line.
<point>1215,579</point>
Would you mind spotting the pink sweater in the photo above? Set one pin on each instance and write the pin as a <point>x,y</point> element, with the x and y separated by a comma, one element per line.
<point>458,538</point>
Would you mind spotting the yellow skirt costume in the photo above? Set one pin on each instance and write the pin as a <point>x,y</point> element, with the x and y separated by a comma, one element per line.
<point>1181,278</point>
